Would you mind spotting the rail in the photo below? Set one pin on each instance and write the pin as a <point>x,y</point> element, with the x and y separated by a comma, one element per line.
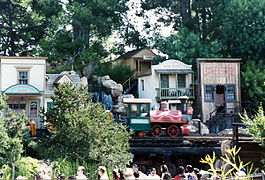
<point>173,93</point>
<point>129,79</point>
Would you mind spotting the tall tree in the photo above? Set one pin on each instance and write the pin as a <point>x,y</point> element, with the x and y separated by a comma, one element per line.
<point>83,27</point>
<point>23,24</point>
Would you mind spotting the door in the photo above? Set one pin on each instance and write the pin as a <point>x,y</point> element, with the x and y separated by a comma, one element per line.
<point>164,81</point>
<point>220,98</point>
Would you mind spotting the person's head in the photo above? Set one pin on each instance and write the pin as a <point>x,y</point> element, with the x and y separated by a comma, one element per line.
<point>61,177</point>
<point>164,168</point>
<point>153,171</point>
<point>121,174</point>
<point>136,174</point>
<point>243,169</point>
<point>37,176</point>
<point>196,170</point>
<point>189,168</point>
<point>134,167</point>
<point>80,170</point>
<point>115,174</point>
<point>180,170</point>
<point>167,177</point>
<point>1,174</point>
<point>72,177</point>
<point>101,170</point>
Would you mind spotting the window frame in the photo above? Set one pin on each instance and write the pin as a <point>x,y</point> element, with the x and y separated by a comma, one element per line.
<point>213,93</point>
<point>18,76</point>
<point>226,93</point>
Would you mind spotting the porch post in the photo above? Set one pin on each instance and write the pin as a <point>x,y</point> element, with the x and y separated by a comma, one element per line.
<point>177,85</point>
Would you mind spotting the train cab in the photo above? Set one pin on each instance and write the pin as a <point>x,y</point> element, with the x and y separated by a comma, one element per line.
<point>138,113</point>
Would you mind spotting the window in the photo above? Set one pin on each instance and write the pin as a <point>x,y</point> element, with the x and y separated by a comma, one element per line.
<point>181,80</point>
<point>164,81</point>
<point>23,77</point>
<point>230,92</point>
<point>50,104</point>
<point>17,106</point>
<point>209,93</point>
<point>33,109</point>
<point>142,85</point>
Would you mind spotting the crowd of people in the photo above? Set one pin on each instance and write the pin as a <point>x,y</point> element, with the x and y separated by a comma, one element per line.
<point>134,173</point>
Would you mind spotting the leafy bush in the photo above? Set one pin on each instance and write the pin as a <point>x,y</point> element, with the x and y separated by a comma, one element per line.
<point>232,165</point>
<point>69,167</point>
<point>26,166</point>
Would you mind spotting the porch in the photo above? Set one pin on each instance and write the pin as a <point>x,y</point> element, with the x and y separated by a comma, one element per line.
<point>173,93</point>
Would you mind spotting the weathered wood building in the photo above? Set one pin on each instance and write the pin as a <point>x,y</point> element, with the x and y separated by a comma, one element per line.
<point>219,81</point>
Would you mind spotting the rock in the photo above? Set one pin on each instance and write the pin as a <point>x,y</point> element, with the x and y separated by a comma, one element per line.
<point>84,80</point>
<point>120,99</point>
<point>116,92</point>
<point>195,127</point>
<point>229,132</point>
<point>89,70</point>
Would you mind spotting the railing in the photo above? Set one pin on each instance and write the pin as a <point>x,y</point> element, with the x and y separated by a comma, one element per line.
<point>173,93</point>
<point>126,84</point>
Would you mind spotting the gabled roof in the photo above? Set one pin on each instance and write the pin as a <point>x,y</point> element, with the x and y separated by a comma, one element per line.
<point>58,79</point>
<point>132,53</point>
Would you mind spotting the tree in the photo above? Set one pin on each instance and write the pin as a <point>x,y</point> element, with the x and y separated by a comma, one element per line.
<point>91,23</point>
<point>84,130</point>
<point>12,129</point>
<point>23,24</point>
<point>253,82</point>
<point>186,46</point>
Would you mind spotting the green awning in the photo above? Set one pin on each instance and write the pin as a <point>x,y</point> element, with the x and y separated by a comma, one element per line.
<point>174,71</point>
<point>19,89</point>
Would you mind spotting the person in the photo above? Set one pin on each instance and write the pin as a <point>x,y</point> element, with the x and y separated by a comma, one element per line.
<point>167,176</point>
<point>1,175</point>
<point>164,170</point>
<point>115,174</point>
<point>80,173</point>
<point>189,174</point>
<point>241,173</point>
<point>61,177</point>
<point>103,173</point>
<point>153,174</point>
<point>38,176</point>
<point>121,173</point>
<point>72,177</point>
<point>196,172</point>
<point>180,173</point>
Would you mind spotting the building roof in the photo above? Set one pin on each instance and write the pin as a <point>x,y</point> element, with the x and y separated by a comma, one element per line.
<point>19,57</point>
<point>22,89</point>
<point>145,73</point>
<point>55,78</point>
<point>218,60</point>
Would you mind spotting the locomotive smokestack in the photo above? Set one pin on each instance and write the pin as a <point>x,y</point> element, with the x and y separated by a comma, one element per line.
<point>184,101</point>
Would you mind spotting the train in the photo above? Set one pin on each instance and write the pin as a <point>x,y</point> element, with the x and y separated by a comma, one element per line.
<point>146,122</point>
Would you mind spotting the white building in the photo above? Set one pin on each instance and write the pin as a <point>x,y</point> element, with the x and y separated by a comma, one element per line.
<point>166,81</point>
<point>22,79</point>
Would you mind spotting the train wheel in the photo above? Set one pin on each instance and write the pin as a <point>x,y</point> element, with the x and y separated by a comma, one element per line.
<point>173,131</point>
<point>156,131</point>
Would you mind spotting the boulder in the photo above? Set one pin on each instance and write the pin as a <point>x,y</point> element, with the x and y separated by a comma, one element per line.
<point>195,127</point>
<point>89,70</point>
<point>84,80</point>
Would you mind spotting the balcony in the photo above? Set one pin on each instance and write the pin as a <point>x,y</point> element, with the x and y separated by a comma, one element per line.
<point>173,93</point>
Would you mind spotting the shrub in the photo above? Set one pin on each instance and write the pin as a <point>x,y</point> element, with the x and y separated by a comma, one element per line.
<point>26,166</point>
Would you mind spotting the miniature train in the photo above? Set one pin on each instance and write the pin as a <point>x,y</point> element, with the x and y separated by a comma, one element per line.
<point>156,122</point>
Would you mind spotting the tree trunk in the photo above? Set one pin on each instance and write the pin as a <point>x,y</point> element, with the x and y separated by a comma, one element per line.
<point>11,32</point>
<point>185,10</point>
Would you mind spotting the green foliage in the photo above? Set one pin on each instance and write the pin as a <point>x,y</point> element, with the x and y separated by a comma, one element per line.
<point>186,46</point>
<point>84,130</point>
<point>12,129</point>
<point>92,23</point>
<point>119,72</point>
<point>241,29</point>
<point>23,24</point>
<point>232,160</point>
<point>256,126</point>
<point>69,167</point>
<point>253,86</point>
<point>27,167</point>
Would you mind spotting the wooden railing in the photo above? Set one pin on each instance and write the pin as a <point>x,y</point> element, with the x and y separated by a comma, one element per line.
<point>174,93</point>
<point>128,82</point>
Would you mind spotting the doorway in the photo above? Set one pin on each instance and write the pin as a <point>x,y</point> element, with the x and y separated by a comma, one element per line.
<point>220,98</point>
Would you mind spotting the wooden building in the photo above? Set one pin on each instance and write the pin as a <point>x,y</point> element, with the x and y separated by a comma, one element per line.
<point>219,81</point>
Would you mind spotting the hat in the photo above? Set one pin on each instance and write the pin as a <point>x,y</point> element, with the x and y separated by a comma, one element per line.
<point>153,169</point>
